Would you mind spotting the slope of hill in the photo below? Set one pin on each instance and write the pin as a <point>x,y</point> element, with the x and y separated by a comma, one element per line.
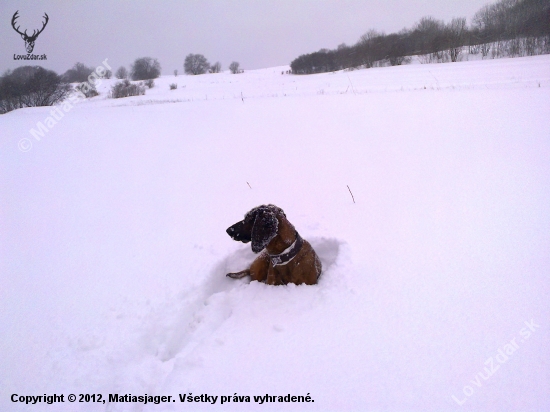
<point>434,294</point>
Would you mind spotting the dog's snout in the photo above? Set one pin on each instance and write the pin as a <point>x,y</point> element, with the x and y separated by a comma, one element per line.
<point>239,232</point>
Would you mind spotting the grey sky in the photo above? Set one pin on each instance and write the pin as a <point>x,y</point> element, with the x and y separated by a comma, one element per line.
<point>256,33</point>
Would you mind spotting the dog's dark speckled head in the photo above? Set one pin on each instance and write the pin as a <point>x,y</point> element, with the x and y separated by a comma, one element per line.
<point>259,226</point>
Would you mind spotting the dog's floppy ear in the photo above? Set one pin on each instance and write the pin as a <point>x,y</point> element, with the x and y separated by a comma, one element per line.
<point>242,231</point>
<point>264,229</point>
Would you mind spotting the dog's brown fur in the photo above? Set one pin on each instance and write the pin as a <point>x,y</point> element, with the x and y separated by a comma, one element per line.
<point>305,267</point>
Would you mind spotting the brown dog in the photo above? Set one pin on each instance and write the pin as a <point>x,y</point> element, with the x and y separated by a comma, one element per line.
<point>285,257</point>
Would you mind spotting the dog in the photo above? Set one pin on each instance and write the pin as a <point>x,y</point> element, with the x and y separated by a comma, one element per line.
<point>284,256</point>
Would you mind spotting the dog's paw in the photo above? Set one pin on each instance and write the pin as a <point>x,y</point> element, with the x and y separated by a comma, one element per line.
<point>238,275</point>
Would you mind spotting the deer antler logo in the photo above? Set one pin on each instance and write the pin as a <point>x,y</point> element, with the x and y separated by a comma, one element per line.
<point>29,40</point>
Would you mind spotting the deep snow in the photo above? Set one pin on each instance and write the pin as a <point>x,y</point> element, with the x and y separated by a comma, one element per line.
<point>113,249</point>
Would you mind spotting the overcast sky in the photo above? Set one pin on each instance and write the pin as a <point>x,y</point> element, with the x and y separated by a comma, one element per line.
<point>256,33</point>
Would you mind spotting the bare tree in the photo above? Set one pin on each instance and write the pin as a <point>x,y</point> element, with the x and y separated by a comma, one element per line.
<point>429,35</point>
<point>30,86</point>
<point>367,49</point>
<point>216,67</point>
<point>145,68</point>
<point>195,64</point>
<point>234,67</point>
<point>397,47</point>
<point>505,28</point>
<point>78,73</point>
<point>125,88</point>
<point>483,18</point>
<point>455,36</point>
<point>121,73</point>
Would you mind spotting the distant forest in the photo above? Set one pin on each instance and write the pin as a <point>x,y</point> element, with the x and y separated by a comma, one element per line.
<point>506,28</point>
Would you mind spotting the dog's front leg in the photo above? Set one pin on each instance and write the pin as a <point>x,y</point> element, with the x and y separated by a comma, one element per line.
<point>258,269</point>
<point>260,266</point>
<point>239,275</point>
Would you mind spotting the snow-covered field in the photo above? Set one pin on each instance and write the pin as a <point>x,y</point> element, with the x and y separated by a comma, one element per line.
<point>435,290</point>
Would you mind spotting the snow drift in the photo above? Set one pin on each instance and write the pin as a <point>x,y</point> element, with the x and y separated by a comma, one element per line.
<point>434,294</point>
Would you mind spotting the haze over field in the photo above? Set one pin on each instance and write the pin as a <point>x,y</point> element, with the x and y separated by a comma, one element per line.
<point>257,34</point>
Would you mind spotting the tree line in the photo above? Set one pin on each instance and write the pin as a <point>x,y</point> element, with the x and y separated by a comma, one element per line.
<point>195,64</point>
<point>523,25</point>
<point>30,86</point>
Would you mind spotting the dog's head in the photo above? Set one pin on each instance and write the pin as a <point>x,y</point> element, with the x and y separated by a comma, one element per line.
<point>260,226</point>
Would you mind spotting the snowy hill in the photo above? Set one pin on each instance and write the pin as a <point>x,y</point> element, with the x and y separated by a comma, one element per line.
<point>434,294</point>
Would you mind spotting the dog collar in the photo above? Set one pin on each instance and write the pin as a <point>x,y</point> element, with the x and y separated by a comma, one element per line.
<point>289,253</point>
